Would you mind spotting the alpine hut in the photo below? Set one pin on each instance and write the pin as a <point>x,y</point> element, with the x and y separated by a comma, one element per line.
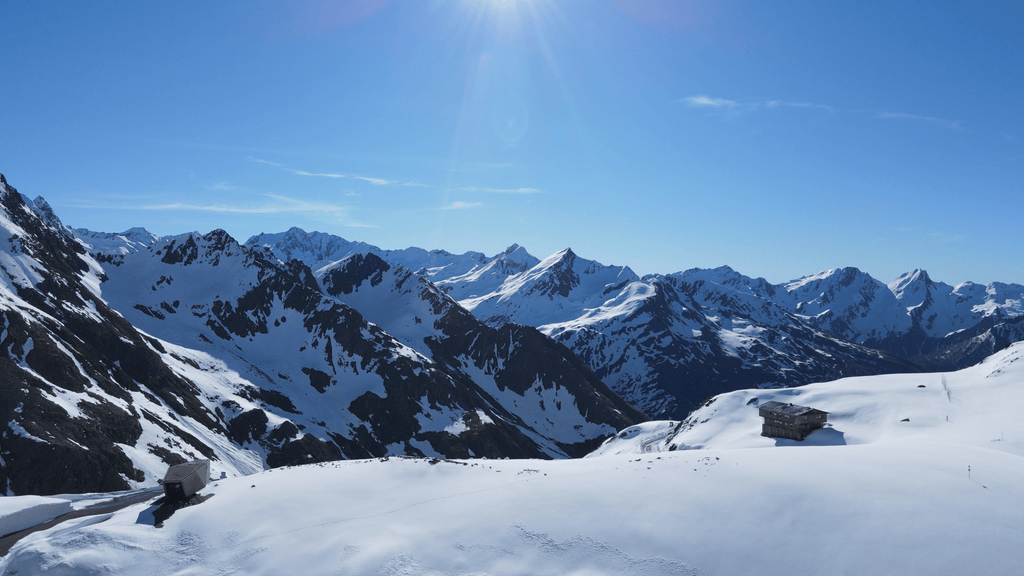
<point>782,420</point>
<point>184,480</point>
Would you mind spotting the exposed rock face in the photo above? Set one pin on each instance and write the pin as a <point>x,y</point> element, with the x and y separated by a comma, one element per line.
<point>914,316</point>
<point>371,388</point>
<point>513,366</point>
<point>249,361</point>
<point>77,381</point>
<point>666,342</point>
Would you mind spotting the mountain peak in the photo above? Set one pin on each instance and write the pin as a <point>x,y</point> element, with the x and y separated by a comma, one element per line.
<point>912,281</point>
<point>43,208</point>
<point>562,259</point>
<point>138,232</point>
<point>518,255</point>
<point>841,276</point>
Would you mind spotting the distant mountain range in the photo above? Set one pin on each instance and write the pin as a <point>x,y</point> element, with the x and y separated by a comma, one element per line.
<point>122,353</point>
<point>667,342</point>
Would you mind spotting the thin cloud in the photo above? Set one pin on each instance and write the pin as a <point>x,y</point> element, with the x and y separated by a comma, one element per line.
<point>178,206</point>
<point>703,101</point>
<point>500,190</point>
<point>220,186</point>
<point>732,107</point>
<point>374,181</point>
<point>320,174</point>
<point>267,162</point>
<point>952,124</point>
<point>278,205</point>
<point>945,238</point>
<point>812,105</point>
<point>462,205</point>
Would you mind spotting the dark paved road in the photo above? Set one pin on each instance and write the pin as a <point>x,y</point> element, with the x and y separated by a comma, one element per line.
<point>114,505</point>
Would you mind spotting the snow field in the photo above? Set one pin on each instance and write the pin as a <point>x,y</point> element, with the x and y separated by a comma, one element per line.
<point>870,494</point>
<point>17,514</point>
<point>818,509</point>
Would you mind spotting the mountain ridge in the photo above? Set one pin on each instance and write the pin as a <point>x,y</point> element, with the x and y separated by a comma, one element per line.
<point>846,310</point>
<point>161,350</point>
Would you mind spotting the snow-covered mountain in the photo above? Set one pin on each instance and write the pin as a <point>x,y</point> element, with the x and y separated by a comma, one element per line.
<point>975,406</point>
<point>913,316</point>
<point>319,250</point>
<point>126,352</point>
<point>541,384</point>
<point>297,347</point>
<point>915,474</point>
<point>88,401</point>
<point>667,342</point>
<point>354,381</point>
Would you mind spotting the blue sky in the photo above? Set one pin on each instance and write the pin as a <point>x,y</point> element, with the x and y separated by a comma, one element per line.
<point>778,138</point>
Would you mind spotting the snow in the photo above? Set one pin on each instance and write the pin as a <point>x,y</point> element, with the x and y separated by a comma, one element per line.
<point>529,297</point>
<point>19,513</point>
<point>20,431</point>
<point>868,495</point>
<point>127,242</point>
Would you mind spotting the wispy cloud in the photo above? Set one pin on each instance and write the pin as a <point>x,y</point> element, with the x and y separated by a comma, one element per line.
<point>180,206</point>
<point>220,186</point>
<point>733,108</point>
<point>500,190</point>
<point>275,204</point>
<point>812,105</point>
<point>374,181</point>
<point>952,124</point>
<point>267,162</point>
<point>703,101</point>
<point>462,205</point>
<point>944,238</point>
<point>319,174</point>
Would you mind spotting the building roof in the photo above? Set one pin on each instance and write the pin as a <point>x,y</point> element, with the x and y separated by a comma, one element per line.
<point>790,409</point>
<point>179,472</point>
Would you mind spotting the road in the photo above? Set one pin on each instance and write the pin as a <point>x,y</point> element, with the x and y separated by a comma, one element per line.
<point>113,505</point>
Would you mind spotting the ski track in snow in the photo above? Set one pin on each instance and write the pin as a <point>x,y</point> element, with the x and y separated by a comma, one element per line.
<point>385,513</point>
<point>579,556</point>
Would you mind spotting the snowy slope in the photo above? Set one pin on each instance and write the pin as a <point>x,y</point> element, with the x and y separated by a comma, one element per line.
<point>109,244</point>
<point>559,287</point>
<point>151,351</point>
<point>976,406</point>
<point>90,403</point>
<point>911,316</point>
<point>666,342</point>
<point>532,380</point>
<point>363,358</point>
<point>870,495</point>
<point>319,250</point>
